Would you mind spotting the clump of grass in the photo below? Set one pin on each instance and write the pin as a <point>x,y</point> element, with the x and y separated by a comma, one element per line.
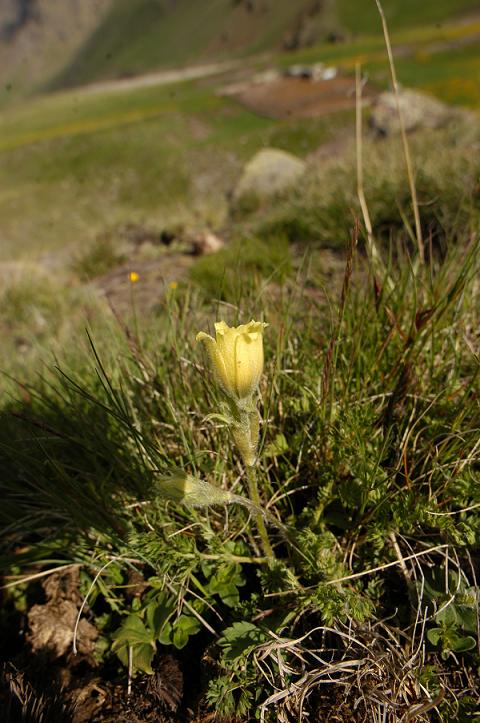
<point>321,208</point>
<point>100,256</point>
<point>229,273</point>
<point>41,312</point>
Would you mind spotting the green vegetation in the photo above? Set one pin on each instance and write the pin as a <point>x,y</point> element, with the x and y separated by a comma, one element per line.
<point>127,513</point>
<point>100,165</point>
<point>361,16</point>
<point>101,256</point>
<point>42,314</point>
<point>320,209</point>
<point>229,273</point>
<point>367,472</point>
<point>93,154</point>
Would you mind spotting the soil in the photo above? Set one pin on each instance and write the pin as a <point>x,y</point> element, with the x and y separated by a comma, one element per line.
<point>44,681</point>
<point>301,97</point>
<point>154,278</point>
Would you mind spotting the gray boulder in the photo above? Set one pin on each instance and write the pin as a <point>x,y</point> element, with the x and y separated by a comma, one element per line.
<point>269,172</point>
<point>418,109</point>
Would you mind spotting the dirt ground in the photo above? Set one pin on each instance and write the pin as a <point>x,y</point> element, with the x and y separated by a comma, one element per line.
<point>301,97</point>
<point>148,291</point>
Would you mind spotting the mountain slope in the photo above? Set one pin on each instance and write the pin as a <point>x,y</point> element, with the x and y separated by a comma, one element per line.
<point>138,35</point>
<point>56,45</point>
<point>37,37</point>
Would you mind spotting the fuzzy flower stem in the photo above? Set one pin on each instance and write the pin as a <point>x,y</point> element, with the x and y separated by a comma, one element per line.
<point>255,498</point>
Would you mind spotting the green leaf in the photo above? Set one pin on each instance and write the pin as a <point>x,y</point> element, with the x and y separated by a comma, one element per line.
<point>277,447</point>
<point>142,656</point>
<point>448,616</point>
<point>158,612</point>
<point>132,631</point>
<point>434,635</point>
<point>165,636</point>
<point>467,617</point>
<point>183,628</point>
<point>461,645</point>
<point>228,593</point>
<point>239,638</point>
<point>133,634</point>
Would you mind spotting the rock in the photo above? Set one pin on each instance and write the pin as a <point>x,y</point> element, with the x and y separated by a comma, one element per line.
<point>419,111</point>
<point>270,171</point>
<point>299,71</point>
<point>206,242</point>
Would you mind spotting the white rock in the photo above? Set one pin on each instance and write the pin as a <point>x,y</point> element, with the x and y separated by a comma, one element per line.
<point>270,171</point>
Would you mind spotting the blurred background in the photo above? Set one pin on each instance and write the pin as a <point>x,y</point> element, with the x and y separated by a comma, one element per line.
<point>145,143</point>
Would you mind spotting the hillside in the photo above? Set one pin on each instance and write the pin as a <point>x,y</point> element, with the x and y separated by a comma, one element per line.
<point>44,43</point>
<point>163,33</point>
<point>38,36</point>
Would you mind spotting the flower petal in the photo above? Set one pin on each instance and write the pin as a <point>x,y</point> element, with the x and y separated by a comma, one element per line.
<point>216,360</point>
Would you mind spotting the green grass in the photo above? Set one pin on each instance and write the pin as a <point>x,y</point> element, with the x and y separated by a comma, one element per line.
<point>320,209</point>
<point>448,73</point>
<point>229,273</point>
<point>361,16</point>
<point>93,155</point>
<point>451,76</point>
<point>100,165</point>
<point>369,452</point>
<point>164,153</point>
<point>41,314</point>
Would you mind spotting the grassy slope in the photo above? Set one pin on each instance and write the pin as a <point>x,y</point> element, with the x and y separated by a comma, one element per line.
<point>93,156</point>
<point>361,16</point>
<point>159,35</point>
<point>443,60</point>
<point>141,35</point>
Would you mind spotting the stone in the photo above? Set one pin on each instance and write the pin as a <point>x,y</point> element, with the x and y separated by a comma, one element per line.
<point>419,110</point>
<point>206,242</point>
<point>269,172</point>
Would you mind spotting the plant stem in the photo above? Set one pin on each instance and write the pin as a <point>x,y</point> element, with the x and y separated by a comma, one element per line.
<point>403,133</point>
<point>255,498</point>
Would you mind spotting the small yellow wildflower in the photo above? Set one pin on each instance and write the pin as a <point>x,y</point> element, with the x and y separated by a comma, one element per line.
<point>173,285</point>
<point>133,277</point>
<point>236,356</point>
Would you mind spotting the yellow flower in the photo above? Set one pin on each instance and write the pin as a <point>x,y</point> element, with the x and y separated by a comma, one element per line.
<point>236,356</point>
<point>133,277</point>
<point>173,285</point>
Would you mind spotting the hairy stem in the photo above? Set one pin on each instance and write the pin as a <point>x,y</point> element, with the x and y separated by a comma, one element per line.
<point>255,498</point>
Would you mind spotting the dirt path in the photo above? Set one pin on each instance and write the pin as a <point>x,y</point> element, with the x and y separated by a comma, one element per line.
<point>162,77</point>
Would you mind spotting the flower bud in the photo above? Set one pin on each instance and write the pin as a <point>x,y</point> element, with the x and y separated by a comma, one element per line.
<point>236,356</point>
<point>182,487</point>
